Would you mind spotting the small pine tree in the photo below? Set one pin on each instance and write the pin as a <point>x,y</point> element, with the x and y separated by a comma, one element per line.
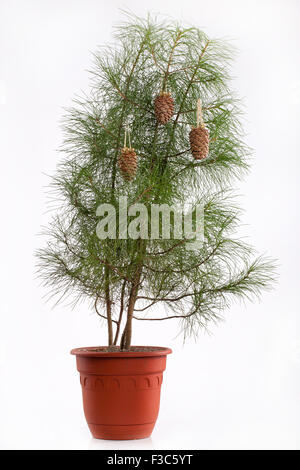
<point>126,278</point>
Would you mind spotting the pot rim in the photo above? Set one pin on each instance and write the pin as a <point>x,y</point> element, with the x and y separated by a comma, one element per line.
<point>90,351</point>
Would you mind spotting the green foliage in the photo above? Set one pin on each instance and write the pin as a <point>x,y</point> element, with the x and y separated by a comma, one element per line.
<point>132,276</point>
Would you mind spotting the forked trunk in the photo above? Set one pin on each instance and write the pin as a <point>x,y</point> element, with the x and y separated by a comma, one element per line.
<point>127,333</point>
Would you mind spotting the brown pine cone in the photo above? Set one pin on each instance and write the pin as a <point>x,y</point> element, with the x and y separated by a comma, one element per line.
<point>163,107</point>
<point>128,163</point>
<point>199,141</point>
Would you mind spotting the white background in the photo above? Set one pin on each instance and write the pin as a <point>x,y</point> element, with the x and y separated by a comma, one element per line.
<point>237,388</point>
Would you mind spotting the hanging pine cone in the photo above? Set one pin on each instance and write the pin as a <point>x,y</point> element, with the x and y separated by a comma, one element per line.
<point>199,141</point>
<point>163,107</point>
<point>128,163</point>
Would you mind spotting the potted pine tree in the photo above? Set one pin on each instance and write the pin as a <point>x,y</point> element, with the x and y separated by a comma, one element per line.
<point>159,129</point>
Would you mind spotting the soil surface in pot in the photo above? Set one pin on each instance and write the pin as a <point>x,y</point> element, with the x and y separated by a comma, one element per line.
<point>117,349</point>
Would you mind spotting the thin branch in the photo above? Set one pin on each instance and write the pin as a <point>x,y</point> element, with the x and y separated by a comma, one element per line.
<point>205,162</point>
<point>191,82</point>
<point>205,108</point>
<point>179,153</point>
<point>169,317</point>
<point>189,268</point>
<point>169,249</point>
<point>183,69</point>
<point>112,268</point>
<point>142,194</point>
<point>170,60</point>
<point>105,129</point>
<point>170,299</point>
<point>134,103</point>
<point>97,311</point>
<point>155,60</point>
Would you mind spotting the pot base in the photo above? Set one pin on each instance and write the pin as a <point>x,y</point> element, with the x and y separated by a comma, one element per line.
<point>121,432</point>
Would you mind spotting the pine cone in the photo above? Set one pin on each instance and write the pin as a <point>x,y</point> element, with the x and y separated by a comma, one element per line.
<point>163,107</point>
<point>128,163</point>
<point>199,141</point>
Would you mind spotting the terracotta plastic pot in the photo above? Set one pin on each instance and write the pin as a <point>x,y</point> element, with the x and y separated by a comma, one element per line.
<point>121,390</point>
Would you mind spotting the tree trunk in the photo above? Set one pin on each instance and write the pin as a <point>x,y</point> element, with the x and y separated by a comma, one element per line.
<point>108,308</point>
<point>127,333</point>
<point>121,313</point>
